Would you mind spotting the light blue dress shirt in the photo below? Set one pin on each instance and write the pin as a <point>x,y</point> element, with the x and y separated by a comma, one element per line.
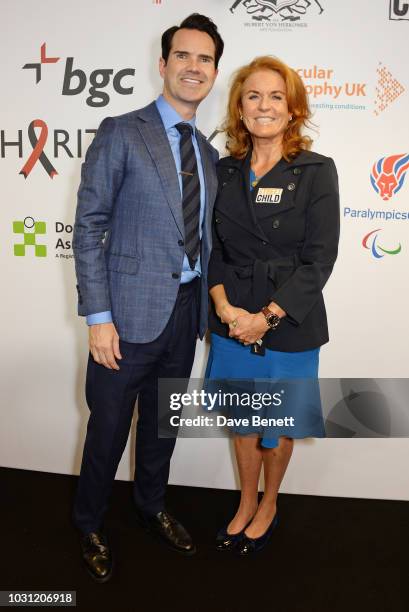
<point>170,118</point>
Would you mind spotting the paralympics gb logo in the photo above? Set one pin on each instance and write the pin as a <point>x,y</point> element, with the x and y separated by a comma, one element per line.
<point>388,174</point>
<point>370,241</point>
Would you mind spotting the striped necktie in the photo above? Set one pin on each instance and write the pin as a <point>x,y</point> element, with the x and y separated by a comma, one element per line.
<point>190,193</point>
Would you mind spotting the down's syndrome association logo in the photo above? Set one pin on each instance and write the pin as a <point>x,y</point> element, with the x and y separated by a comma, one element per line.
<point>29,229</point>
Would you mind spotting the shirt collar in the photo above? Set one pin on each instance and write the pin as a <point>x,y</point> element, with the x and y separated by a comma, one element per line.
<point>169,115</point>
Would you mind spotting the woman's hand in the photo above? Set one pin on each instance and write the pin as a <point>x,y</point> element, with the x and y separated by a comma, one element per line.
<point>248,328</point>
<point>229,313</point>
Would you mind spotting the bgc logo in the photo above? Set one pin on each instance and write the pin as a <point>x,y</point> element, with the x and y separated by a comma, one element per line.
<point>370,242</point>
<point>388,175</point>
<point>75,80</point>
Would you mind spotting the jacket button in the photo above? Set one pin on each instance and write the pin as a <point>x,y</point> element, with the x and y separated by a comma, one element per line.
<point>218,220</point>
<point>297,171</point>
<point>264,243</point>
<point>276,223</point>
<point>180,242</point>
<point>175,275</point>
<point>291,186</point>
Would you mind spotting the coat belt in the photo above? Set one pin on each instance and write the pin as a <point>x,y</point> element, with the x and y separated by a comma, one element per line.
<point>260,272</point>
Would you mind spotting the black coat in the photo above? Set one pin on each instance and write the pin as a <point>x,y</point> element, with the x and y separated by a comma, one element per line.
<point>284,252</point>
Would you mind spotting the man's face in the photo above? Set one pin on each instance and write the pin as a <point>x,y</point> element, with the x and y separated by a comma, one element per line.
<point>189,72</point>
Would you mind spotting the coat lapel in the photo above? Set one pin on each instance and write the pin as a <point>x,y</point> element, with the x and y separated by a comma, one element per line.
<point>281,178</point>
<point>237,202</point>
<point>153,133</point>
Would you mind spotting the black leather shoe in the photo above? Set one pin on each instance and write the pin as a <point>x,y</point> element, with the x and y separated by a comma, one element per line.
<point>249,546</point>
<point>97,556</point>
<point>226,540</point>
<point>169,531</point>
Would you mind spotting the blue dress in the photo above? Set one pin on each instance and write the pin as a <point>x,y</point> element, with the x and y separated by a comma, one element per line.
<point>230,363</point>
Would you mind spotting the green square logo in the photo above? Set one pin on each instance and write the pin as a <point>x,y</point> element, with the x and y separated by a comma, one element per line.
<point>18,227</point>
<point>30,239</point>
<point>39,227</point>
<point>30,229</point>
<point>19,250</point>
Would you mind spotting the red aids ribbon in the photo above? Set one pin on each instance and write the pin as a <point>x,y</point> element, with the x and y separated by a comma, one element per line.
<point>38,152</point>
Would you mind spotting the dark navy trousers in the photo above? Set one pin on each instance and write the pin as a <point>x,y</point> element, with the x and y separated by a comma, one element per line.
<point>111,397</point>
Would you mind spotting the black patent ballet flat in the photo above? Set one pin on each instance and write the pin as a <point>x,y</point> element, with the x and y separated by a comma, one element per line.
<point>226,540</point>
<point>249,546</point>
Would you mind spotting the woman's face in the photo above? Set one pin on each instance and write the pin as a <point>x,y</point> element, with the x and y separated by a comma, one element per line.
<point>264,105</point>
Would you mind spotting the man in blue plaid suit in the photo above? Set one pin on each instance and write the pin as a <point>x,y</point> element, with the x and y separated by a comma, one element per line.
<point>142,240</point>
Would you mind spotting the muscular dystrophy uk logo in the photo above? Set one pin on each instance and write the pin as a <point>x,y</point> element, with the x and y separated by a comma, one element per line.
<point>370,242</point>
<point>329,89</point>
<point>272,14</point>
<point>388,89</point>
<point>327,92</point>
<point>388,175</point>
<point>75,80</point>
<point>29,229</point>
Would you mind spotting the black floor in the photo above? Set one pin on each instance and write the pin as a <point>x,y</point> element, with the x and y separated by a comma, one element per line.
<point>327,553</point>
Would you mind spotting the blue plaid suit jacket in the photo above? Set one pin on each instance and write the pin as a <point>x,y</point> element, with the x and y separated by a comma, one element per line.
<point>129,226</point>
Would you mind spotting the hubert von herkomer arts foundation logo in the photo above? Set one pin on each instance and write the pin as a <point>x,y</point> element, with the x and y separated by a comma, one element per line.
<point>280,10</point>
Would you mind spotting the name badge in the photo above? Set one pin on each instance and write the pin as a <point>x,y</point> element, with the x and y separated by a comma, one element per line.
<point>269,195</point>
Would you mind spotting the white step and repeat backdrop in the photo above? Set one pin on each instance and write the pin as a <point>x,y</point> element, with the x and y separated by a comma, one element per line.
<point>65,67</point>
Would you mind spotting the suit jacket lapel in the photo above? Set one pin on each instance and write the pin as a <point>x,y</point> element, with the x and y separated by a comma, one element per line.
<point>153,133</point>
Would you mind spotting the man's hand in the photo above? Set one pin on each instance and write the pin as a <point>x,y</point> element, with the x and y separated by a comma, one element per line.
<point>104,345</point>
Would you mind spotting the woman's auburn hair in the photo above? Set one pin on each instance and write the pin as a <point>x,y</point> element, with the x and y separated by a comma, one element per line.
<point>238,137</point>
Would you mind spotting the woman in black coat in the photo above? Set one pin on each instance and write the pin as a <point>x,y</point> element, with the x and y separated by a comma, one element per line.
<point>276,230</point>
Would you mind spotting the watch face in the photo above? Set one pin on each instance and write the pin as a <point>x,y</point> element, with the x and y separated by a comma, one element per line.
<point>273,320</point>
